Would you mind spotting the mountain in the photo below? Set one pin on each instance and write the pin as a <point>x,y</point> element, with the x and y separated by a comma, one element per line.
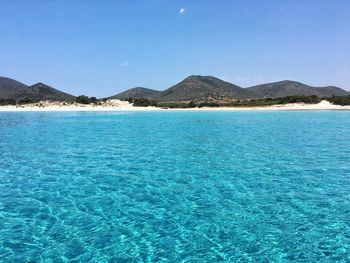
<point>330,91</point>
<point>288,88</point>
<point>137,93</point>
<point>12,89</point>
<point>203,88</point>
<point>195,87</point>
<point>45,92</point>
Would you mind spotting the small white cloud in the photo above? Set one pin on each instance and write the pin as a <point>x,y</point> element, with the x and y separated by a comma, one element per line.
<point>182,10</point>
<point>124,64</point>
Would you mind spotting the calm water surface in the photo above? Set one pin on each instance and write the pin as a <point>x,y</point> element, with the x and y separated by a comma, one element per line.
<point>175,187</point>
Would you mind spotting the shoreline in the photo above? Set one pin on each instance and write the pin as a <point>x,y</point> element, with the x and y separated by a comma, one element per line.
<point>116,106</point>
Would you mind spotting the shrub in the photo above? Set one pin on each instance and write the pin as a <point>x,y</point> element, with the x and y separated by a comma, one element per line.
<point>4,102</point>
<point>28,101</point>
<point>340,100</point>
<point>93,100</point>
<point>209,104</point>
<point>192,104</point>
<point>142,102</point>
<point>173,105</point>
<point>301,99</point>
<point>86,100</point>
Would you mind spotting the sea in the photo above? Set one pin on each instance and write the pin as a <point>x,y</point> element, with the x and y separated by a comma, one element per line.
<point>175,186</point>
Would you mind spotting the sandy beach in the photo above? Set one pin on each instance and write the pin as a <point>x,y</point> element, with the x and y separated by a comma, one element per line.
<point>117,105</point>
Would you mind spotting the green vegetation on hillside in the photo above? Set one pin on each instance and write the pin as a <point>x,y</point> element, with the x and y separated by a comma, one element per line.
<point>313,99</point>
<point>28,101</point>
<point>4,102</point>
<point>242,103</point>
<point>86,100</point>
<point>176,105</point>
<point>192,104</point>
<point>142,102</point>
<point>210,104</point>
<point>340,100</point>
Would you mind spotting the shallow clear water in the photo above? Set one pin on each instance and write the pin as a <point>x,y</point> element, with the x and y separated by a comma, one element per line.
<point>175,186</point>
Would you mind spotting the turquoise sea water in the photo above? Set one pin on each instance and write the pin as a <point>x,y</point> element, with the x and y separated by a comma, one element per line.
<point>175,187</point>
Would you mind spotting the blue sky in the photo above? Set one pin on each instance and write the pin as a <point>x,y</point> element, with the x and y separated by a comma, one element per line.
<point>103,47</point>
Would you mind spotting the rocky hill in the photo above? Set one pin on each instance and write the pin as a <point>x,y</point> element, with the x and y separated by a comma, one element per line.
<point>203,88</point>
<point>207,88</point>
<point>12,89</point>
<point>288,88</point>
<point>192,88</point>
<point>197,88</point>
<point>137,93</point>
<point>45,92</point>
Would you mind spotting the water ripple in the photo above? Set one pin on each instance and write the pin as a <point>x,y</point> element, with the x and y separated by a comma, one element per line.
<point>175,187</point>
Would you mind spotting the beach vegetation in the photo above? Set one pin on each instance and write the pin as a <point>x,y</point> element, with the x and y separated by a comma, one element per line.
<point>28,101</point>
<point>4,102</point>
<point>242,103</point>
<point>142,102</point>
<point>82,99</point>
<point>175,105</point>
<point>340,100</point>
<point>192,104</point>
<point>209,104</point>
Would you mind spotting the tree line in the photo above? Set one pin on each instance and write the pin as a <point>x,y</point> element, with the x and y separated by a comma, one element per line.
<point>313,99</point>
<point>143,102</point>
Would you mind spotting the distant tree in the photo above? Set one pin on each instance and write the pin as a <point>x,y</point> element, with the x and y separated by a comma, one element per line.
<point>209,104</point>
<point>192,104</point>
<point>82,99</point>
<point>93,100</point>
<point>86,100</point>
<point>142,102</point>
<point>4,102</point>
<point>299,99</point>
<point>28,101</point>
<point>340,100</point>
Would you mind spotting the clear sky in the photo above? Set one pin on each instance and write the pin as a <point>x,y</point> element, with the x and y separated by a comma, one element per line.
<point>103,47</point>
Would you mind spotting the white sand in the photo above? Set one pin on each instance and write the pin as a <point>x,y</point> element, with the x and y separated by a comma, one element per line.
<point>117,105</point>
<point>110,105</point>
